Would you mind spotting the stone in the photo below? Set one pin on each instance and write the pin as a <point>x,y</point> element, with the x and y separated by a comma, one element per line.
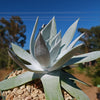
<point>14,75</point>
<point>34,94</point>
<point>14,90</point>
<point>4,93</point>
<point>41,96</point>
<point>28,98</point>
<point>15,98</point>
<point>19,72</point>
<point>9,91</point>
<point>22,87</point>
<point>28,88</point>
<point>19,92</point>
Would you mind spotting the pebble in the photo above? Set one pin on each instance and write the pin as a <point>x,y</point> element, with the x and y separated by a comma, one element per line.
<point>28,98</point>
<point>18,72</point>
<point>19,91</point>
<point>26,93</point>
<point>14,90</point>
<point>22,87</point>
<point>15,98</point>
<point>28,87</point>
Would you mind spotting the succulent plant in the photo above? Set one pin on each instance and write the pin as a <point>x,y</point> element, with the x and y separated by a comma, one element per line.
<point>49,55</point>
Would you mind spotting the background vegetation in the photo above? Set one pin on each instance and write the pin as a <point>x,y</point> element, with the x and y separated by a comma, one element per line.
<point>11,30</point>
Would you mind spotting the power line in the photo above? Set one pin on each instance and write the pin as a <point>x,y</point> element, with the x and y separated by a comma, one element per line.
<point>63,12</point>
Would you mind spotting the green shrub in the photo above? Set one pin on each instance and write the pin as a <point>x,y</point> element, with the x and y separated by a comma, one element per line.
<point>96,80</point>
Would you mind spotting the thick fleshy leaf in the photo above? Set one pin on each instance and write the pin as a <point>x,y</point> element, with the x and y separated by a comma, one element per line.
<point>27,57</point>
<point>88,57</point>
<point>32,41</point>
<point>71,87</point>
<point>56,39</point>
<point>49,31</point>
<point>73,61</point>
<point>71,77</point>
<point>77,80</point>
<point>83,58</point>
<point>54,51</point>
<point>41,52</point>
<point>63,58</point>
<point>34,68</point>
<point>67,38</point>
<point>51,84</point>
<point>18,80</point>
<point>22,53</point>
<point>67,50</point>
<point>74,42</point>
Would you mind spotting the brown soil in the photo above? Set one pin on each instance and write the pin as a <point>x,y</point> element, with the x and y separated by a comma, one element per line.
<point>90,91</point>
<point>4,73</point>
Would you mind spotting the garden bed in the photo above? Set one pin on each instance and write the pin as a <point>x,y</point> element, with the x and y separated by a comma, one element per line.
<point>30,91</point>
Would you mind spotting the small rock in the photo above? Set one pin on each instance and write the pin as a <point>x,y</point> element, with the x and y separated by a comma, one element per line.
<point>35,91</point>
<point>9,91</point>
<point>7,97</point>
<point>14,74</point>
<point>41,96</point>
<point>23,71</point>
<point>39,91</point>
<point>19,92</point>
<point>10,77</point>
<point>34,95</point>
<point>4,93</point>
<point>28,88</point>
<point>22,87</point>
<point>14,90</point>
<point>15,98</point>
<point>28,98</point>
<point>19,72</point>
<point>25,94</point>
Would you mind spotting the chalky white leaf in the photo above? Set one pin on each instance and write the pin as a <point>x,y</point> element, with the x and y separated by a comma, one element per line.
<point>41,52</point>
<point>18,80</point>
<point>54,51</point>
<point>74,42</point>
<point>56,39</point>
<point>67,38</point>
<point>83,58</point>
<point>32,41</point>
<point>51,86</point>
<point>49,31</point>
<point>22,53</point>
<point>88,57</point>
<point>71,87</point>
<point>64,58</point>
<point>32,68</point>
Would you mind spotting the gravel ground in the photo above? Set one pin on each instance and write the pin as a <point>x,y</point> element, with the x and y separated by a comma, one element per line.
<point>30,91</point>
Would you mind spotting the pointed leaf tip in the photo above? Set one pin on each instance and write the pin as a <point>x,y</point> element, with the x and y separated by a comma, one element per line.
<point>32,41</point>
<point>68,36</point>
<point>49,31</point>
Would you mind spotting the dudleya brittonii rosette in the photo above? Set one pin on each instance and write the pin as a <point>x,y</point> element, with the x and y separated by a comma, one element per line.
<point>49,54</point>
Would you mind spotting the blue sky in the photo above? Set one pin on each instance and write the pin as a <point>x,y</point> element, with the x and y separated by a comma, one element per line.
<point>65,12</point>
